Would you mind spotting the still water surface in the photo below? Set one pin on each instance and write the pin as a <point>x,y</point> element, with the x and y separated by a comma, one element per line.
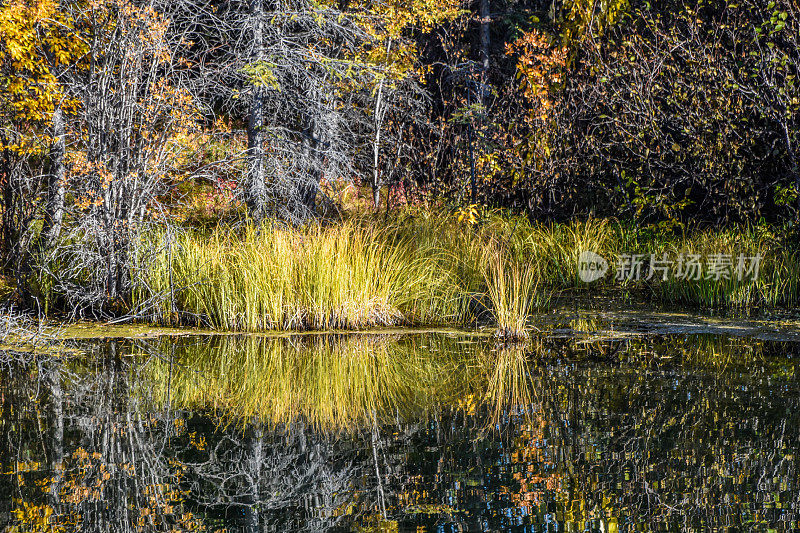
<point>419,432</point>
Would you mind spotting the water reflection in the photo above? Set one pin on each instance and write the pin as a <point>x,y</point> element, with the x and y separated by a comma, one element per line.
<point>331,382</point>
<point>429,432</point>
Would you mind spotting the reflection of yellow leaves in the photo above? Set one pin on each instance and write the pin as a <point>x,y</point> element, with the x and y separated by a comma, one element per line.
<point>375,524</point>
<point>198,441</point>
<point>83,482</point>
<point>33,517</point>
<point>27,466</point>
<point>468,404</point>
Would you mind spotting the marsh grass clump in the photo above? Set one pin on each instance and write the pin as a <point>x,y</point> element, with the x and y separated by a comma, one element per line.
<point>340,277</point>
<point>513,288</point>
<point>557,247</point>
<point>419,271</point>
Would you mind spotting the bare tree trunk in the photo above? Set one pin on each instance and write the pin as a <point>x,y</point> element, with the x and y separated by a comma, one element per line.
<point>485,43</point>
<point>54,213</point>
<point>7,185</point>
<point>309,197</point>
<point>309,180</point>
<point>484,11</point>
<point>255,193</point>
<point>318,137</point>
<point>376,150</point>
<point>794,167</point>
<point>376,146</point>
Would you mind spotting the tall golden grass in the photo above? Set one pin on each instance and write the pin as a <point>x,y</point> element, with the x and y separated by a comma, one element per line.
<point>347,276</point>
<point>341,277</point>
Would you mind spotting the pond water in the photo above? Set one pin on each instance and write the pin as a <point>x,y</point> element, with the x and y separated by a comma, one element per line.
<point>596,425</point>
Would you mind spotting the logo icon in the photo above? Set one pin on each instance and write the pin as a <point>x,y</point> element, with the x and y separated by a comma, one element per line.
<point>591,266</point>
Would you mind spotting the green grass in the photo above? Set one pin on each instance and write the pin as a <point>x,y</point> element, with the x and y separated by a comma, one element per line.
<point>777,283</point>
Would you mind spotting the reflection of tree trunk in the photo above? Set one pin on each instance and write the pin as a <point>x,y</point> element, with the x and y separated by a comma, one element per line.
<point>254,447</point>
<point>54,212</point>
<point>120,447</point>
<point>56,441</point>
<point>378,477</point>
<point>255,192</point>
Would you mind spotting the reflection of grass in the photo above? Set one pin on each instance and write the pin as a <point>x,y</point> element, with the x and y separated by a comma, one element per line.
<point>331,381</point>
<point>716,353</point>
<point>585,324</point>
<point>355,381</point>
<point>509,386</point>
<point>347,381</point>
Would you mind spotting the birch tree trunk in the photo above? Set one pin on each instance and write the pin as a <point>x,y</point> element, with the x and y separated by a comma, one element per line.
<point>380,111</point>
<point>484,60</point>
